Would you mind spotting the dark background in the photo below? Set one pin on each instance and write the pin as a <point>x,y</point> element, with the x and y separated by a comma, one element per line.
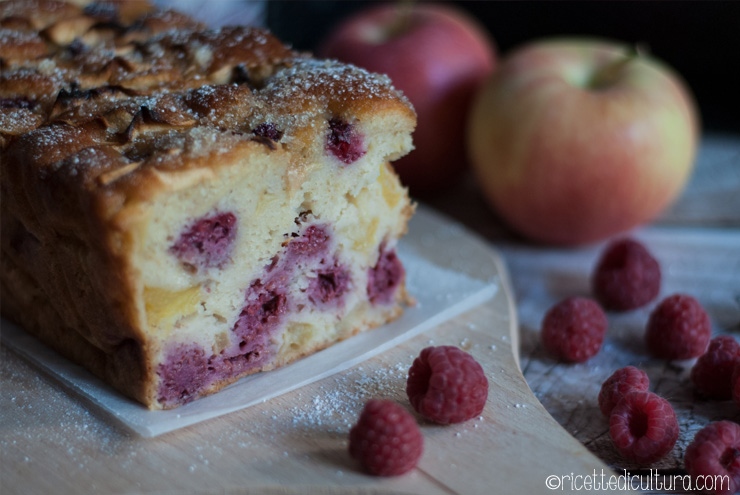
<point>700,39</point>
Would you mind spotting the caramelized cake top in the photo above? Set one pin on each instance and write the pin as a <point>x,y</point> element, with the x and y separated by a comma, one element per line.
<point>105,95</point>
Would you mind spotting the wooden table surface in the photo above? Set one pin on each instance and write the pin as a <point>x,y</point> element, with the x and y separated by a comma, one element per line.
<point>698,243</point>
<point>52,442</point>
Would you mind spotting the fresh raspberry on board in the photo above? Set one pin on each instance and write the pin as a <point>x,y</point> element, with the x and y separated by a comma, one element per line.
<point>678,328</point>
<point>714,454</point>
<point>386,439</point>
<point>626,277</point>
<point>621,382</point>
<point>712,372</point>
<point>573,330</point>
<point>643,427</point>
<point>447,385</point>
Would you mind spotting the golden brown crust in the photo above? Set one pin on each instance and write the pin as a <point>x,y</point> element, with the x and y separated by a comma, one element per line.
<point>103,106</point>
<point>141,97</point>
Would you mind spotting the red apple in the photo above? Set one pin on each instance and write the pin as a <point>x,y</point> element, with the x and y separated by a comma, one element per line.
<point>438,57</point>
<point>575,140</point>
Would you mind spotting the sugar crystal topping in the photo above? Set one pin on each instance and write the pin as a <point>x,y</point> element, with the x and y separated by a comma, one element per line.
<point>159,82</point>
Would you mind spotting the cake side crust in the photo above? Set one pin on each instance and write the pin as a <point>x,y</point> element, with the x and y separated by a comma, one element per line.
<point>105,130</point>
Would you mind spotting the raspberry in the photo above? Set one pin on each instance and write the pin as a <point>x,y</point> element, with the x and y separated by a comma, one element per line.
<point>574,329</point>
<point>266,303</point>
<point>183,374</point>
<point>715,454</point>
<point>267,130</point>
<point>208,242</point>
<point>643,427</point>
<point>386,439</point>
<point>384,278</point>
<point>344,141</point>
<point>678,328</point>
<point>329,286</point>
<point>622,381</point>
<point>312,242</point>
<point>712,372</point>
<point>736,384</point>
<point>626,276</point>
<point>447,385</point>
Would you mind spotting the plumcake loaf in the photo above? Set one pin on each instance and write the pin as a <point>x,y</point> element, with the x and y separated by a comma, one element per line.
<point>182,207</point>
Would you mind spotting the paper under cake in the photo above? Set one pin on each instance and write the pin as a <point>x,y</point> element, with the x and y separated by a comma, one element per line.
<point>182,207</point>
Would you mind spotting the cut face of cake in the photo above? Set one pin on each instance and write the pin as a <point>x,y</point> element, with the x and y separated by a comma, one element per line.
<point>183,207</point>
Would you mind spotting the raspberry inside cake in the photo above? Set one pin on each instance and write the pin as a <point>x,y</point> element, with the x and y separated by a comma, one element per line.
<point>183,207</point>
<point>236,280</point>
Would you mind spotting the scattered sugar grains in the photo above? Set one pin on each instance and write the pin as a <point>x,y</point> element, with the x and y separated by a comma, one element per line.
<point>44,414</point>
<point>336,407</point>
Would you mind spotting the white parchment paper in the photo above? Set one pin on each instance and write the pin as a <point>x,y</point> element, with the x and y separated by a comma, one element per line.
<point>448,272</point>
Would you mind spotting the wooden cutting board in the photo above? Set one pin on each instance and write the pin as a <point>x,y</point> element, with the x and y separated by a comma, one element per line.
<point>53,442</point>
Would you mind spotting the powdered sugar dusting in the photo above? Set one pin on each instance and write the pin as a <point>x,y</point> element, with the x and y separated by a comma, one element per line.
<point>327,79</point>
<point>338,404</point>
<point>167,84</point>
<point>12,36</point>
<point>49,418</point>
<point>36,411</point>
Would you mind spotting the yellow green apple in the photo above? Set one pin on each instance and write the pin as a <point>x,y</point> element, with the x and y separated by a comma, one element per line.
<point>575,140</point>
